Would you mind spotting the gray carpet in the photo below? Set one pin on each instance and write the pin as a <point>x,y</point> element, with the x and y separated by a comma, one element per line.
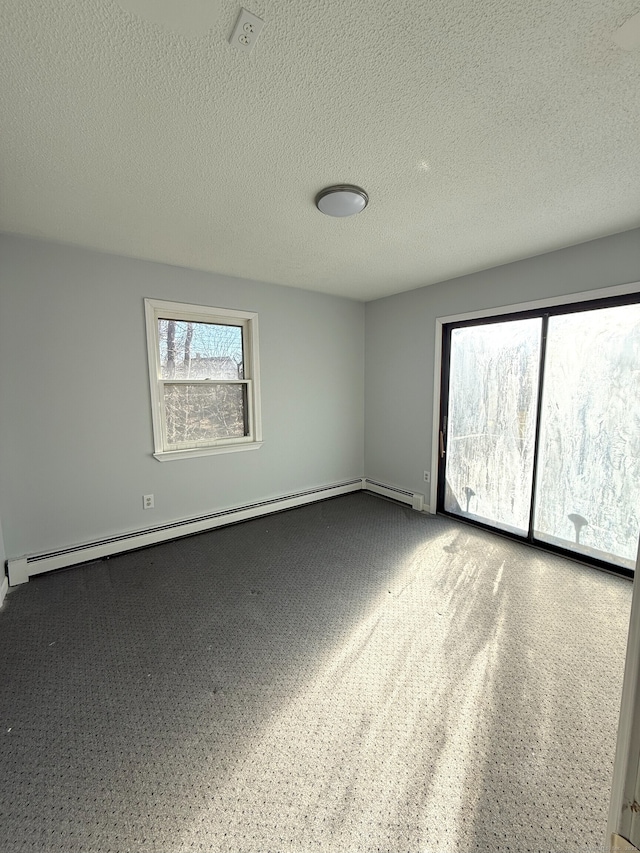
<point>347,676</point>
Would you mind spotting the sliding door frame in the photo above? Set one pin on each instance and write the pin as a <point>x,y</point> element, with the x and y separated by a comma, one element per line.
<point>569,304</point>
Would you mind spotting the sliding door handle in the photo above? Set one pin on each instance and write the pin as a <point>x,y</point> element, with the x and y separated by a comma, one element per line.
<point>441,445</point>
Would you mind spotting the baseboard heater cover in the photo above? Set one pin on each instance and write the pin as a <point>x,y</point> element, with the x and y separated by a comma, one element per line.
<point>414,499</point>
<point>22,568</point>
<point>621,845</point>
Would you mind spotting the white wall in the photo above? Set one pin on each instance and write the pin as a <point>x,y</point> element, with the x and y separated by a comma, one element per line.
<point>400,342</point>
<point>75,418</point>
<point>3,579</point>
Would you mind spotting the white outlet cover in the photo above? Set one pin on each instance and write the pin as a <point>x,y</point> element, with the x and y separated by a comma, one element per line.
<point>246,31</point>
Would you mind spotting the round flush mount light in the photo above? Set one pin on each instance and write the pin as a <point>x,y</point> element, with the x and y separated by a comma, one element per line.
<point>341,200</point>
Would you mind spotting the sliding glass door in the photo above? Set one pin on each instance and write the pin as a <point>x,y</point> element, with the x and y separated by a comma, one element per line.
<point>540,428</point>
<point>588,493</point>
<point>493,395</point>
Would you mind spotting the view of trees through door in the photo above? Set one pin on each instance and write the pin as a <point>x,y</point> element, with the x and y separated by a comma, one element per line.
<point>540,428</point>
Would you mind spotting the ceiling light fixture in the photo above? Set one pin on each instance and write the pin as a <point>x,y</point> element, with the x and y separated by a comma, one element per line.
<point>341,200</point>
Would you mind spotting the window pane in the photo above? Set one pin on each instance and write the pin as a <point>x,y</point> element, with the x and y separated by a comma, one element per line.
<point>493,388</point>
<point>200,413</point>
<point>588,492</point>
<point>200,350</point>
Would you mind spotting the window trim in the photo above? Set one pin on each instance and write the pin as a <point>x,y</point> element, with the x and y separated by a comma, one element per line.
<point>156,309</point>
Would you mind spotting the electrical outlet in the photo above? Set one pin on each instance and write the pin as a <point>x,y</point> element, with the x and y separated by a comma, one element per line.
<point>427,476</point>
<point>246,31</point>
<point>147,502</point>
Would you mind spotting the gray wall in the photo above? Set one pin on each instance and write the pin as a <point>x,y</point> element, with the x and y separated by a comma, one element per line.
<point>75,422</point>
<point>400,342</point>
<point>75,419</point>
<point>3,555</point>
<point>3,579</point>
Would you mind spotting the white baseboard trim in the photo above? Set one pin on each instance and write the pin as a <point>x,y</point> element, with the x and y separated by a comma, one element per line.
<point>4,587</point>
<point>414,499</point>
<point>22,568</point>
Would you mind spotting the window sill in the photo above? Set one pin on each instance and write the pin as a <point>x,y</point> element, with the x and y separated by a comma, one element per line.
<point>173,455</point>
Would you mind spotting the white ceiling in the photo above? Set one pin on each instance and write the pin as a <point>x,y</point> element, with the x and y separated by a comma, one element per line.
<point>484,132</point>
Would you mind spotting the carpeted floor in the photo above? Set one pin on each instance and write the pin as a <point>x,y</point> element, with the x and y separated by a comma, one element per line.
<point>347,676</point>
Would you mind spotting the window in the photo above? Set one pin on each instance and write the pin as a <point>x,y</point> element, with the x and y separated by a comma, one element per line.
<point>203,367</point>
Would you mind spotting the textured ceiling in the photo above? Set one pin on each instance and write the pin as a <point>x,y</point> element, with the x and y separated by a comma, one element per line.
<point>484,132</point>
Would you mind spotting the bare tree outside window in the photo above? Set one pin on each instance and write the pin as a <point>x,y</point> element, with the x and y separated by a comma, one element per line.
<point>203,370</point>
<point>191,350</point>
<point>202,351</point>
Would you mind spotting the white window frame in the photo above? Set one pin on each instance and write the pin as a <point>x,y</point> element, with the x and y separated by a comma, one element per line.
<point>156,309</point>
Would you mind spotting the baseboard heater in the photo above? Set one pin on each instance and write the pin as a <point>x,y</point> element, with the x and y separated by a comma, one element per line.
<point>22,568</point>
<point>414,499</point>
